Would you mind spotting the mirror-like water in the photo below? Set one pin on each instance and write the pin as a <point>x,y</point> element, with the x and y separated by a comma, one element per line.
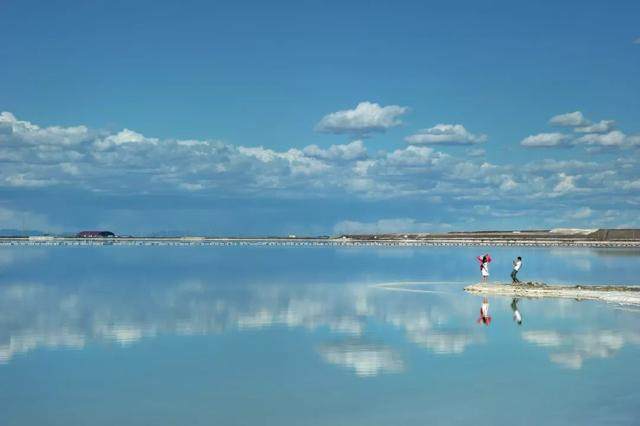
<point>291,336</point>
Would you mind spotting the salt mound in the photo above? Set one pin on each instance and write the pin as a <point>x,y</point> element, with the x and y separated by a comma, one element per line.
<point>573,231</point>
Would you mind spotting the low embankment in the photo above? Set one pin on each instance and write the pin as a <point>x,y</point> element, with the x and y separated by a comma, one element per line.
<point>594,238</point>
<point>627,295</point>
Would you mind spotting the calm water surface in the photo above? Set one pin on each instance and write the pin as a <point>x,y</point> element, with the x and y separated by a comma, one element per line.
<point>308,336</point>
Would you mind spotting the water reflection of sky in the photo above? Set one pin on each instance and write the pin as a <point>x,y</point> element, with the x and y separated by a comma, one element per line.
<point>344,324</point>
<point>41,316</point>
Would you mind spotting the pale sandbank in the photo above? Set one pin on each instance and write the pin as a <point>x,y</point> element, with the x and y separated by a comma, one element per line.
<point>621,294</point>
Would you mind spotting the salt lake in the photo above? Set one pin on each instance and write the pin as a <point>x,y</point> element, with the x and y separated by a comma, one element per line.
<point>310,335</point>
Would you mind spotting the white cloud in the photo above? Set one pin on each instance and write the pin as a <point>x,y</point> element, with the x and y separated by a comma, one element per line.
<point>125,162</point>
<point>297,162</point>
<point>395,225</point>
<point>24,180</point>
<point>636,41</point>
<point>595,136</point>
<point>351,151</point>
<point>485,210</point>
<point>613,139</point>
<point>634,185</point>
<point>602,126</point>
<point>23,344</point>
<point>12,129</point>
<point>413,156</point>
<point>566,183</point>
<point>366,118</point>
<point>508,184</point>
<point>124,334</point>
<point>19,219</point>
<point>570,119</point>
<point>125,136</point>
<point>445,134</point>
<point>476,152</point>
<point>545,140</point>
<point>581,213</point>
<point>556,166</point>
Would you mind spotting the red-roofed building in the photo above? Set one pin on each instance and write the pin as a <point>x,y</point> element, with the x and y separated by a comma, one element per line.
<point>95,234</point>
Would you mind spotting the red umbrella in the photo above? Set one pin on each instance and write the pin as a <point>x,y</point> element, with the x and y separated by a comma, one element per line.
<point>486,255</point>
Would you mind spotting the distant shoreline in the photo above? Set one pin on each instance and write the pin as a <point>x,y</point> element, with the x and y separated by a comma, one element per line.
<point>423,241</point>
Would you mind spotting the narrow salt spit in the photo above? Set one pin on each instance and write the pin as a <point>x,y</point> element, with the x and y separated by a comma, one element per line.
<point>625,295</point>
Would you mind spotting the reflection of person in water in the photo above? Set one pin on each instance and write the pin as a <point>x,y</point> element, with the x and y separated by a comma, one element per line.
<point>517,317</point>
<point>484,312</point>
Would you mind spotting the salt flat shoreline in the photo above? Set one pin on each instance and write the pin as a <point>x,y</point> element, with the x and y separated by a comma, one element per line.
<point>340,242</point>
<point>625,295</point>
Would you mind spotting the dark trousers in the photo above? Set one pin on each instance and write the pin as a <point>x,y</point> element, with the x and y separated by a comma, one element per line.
<point>514,277</point>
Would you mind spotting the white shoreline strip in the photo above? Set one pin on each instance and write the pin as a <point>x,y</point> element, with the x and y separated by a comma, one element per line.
<point>398,286</point>
<point>624,295</point>
<point>411,290</point>
<point>400,283</point>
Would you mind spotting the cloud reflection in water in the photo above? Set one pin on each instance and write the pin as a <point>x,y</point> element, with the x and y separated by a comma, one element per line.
<point>45,316</point>
<point>574,348</point>
<point>36,316</point>
<point>365,359</point>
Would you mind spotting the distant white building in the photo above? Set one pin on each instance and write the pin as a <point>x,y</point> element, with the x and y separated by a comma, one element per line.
<point>40,238</point>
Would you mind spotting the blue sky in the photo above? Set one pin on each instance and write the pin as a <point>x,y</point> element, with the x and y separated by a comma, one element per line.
<point>318,117</point>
